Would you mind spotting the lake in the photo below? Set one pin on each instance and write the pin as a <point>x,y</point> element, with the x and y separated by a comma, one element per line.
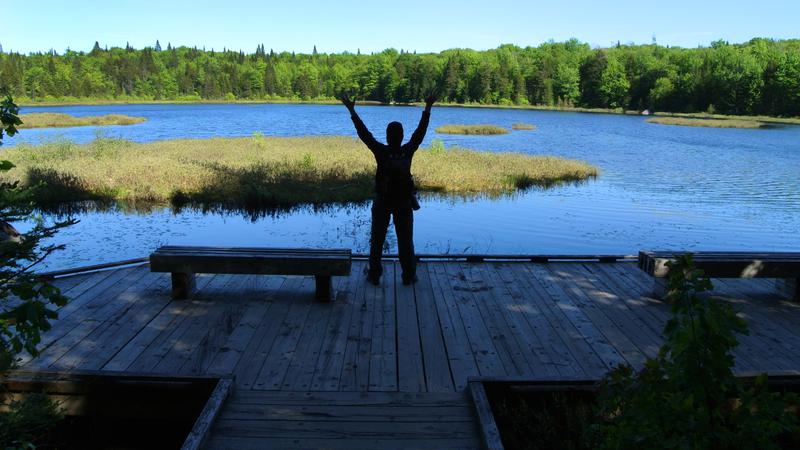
<point>660,187</point>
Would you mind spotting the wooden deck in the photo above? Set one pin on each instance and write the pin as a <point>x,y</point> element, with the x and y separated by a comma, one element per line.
<point>385,367</point>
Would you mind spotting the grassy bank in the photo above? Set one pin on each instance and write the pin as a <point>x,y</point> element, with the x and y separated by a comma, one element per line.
<point>709,123</point>
<point>56,120</point>
<point>483,130</point>
<point>523,126</point>
<point>263,172</point>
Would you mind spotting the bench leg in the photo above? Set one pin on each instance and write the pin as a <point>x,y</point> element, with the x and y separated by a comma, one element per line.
<point>324,288</point>
<point>789,287</point>
<point>182,285</point>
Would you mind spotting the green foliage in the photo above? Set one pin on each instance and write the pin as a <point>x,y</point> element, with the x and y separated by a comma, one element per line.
<point>27,420</point>
<point>760,77</point>
<point>9,120</point>
<point>437,147</point>
<point>687,397</point>
<point>26,301</point>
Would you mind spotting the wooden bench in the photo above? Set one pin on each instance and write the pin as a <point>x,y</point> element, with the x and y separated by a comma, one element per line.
<point>184,262</point>
<point>785,267</point>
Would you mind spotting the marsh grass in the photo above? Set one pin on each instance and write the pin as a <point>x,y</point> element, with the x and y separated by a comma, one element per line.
<point>523,126</point>
<point>263,172</point>
<point>483,130</point>
<point>710,123</point>
<point>57,120</point>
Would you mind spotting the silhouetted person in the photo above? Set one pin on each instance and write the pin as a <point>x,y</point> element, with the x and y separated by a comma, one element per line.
<point>395,194</point>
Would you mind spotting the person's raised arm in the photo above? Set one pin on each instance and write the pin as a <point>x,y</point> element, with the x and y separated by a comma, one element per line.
<point>422,128</point>
<point>363,133</point>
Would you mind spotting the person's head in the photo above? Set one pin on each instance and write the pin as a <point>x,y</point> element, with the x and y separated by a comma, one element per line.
<point>394,134</point>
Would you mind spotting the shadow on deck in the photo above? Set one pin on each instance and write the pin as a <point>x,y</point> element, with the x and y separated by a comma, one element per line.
<point>385,367</point>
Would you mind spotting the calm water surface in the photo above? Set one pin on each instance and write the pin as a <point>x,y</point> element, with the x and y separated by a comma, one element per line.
<point>660,186</point>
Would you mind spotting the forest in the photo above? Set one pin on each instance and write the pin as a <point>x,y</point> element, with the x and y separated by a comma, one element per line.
<point>759,77</point>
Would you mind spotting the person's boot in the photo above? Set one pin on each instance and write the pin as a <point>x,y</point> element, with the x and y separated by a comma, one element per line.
<point>409,279</point>
<point>372,277</point>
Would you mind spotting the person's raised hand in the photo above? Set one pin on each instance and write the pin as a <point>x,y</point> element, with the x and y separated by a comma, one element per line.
<point>346,101</point>
<point>431,98</point>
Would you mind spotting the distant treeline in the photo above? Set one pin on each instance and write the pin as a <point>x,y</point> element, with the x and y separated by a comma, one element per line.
<point>761,76</point>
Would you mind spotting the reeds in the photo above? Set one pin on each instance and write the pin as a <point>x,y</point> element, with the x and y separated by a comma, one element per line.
<point>263,171</point>
<point>56,120</point>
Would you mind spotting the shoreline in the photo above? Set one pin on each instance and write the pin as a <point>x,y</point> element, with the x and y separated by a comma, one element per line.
<point>322,101</point>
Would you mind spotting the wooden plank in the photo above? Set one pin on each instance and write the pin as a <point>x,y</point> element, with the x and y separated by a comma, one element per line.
<point>349,413</point>
<point>202,426</point>
<point>88,281</point>
<point>255,354</point>
<point>475,283</point>
<point>514,313</point>
<point>559,341</point>
<point>382,358</point>
<point>435,359</point>
<point>362,398</point>
<point>410,366</point>
<point>609,342</point>
<point>488,427</point>
<point>251,261</point>
<point>580,350</point>
<point>343,429</point>
<point>393,443</point>
<point>348,379</point>
<point>192,335</point>
<point>463,363</point>
<point>359,371</point>
<point>649,314</point>
<point>261,303</point>
<point>235,303</point>
<point>69,332</point>
<point>486,354</point>
<point>258,250</point>
<point>285,346</point>
<point>328,369</point>
<point>164,341</point>
<point>639,339</point>
<point>69,282</point>
<point>160,325</point>
<point>136,309</point>
<point>300,374</point>
<point>770,344</point>
<point>96,295</point>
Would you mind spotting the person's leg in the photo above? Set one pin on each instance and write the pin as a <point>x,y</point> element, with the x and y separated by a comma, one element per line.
<point>380,222</point>
<point>404,227</point>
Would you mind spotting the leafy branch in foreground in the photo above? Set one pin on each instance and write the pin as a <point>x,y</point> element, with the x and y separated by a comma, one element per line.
<point>687,397</point>
<point>26,300</point>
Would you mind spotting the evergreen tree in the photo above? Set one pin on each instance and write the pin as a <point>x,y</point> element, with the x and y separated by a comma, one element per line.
<point>96,49</point>
<point>158,46</point>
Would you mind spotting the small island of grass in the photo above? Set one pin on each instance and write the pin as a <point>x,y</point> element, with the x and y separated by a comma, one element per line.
<point>58,120</point>
<point>523,126</point>
<point>483,130</point>
<point>711,123</point>
<point>263,172</point>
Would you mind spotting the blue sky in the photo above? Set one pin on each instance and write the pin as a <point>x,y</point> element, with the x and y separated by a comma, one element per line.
<point>421,25</point>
